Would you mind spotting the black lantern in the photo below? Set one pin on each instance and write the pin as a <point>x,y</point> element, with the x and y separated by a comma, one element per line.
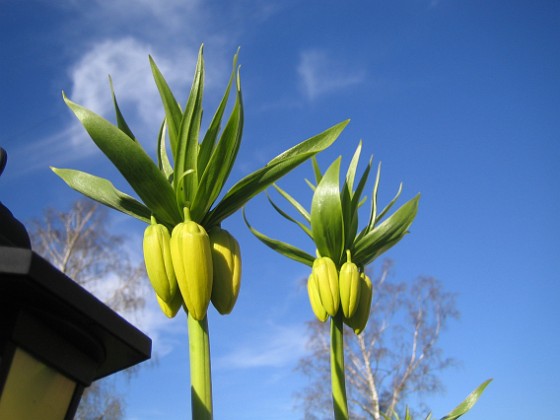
<point>55,337</point>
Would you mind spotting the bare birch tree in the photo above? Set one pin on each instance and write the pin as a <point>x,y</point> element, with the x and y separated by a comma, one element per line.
<point>80,245</point>
<point>395,357</point>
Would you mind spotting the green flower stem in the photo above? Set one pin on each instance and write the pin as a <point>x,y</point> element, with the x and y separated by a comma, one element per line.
<point>340,405</point>
<point>201,380</point>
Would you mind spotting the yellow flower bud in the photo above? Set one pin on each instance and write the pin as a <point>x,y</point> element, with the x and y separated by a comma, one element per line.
<point>349,284</point>
<point>170,309</point>
<point>360,318</point>
<point>226,260</point>
<point>157,257</point>
<point>192,260</point>
<point>326,276</point>
<point>315,299</point>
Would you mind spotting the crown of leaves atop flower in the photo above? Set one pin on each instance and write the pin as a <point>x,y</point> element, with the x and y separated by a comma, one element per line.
<point>332,223</point>
<point>200,169</point>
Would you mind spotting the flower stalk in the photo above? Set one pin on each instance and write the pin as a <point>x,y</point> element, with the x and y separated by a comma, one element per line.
<point>340,403</point>
<point>201,372</point>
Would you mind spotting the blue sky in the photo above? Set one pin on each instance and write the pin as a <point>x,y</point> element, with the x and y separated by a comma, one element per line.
<point>459,100</point>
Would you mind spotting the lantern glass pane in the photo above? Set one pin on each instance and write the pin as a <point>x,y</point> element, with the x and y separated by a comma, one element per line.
<point>34,390</point>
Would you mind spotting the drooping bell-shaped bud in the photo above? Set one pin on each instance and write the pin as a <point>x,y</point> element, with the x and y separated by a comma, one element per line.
<point>360,318</point>
<point>326,276</point>
<point>315,299</point>
<point>192,261</point>
<point>349,284</point>
<point>226,260</point>
<point>170,309</point>
<point>157,257</point>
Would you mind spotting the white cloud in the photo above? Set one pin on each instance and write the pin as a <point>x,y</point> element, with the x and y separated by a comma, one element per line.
<point>277,346</point>
<point>320,74</point>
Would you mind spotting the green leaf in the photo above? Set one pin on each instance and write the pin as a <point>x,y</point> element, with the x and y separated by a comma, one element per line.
<point>133,163</point>
<point>301,210</point>
<point>121,123</point>
<point>207,145</point>
<point>327,222</point>
<point>390,205</point>
<point>163,159</point>
<point>259,180</point>
<point>357,201</point>
<point>316,170</point>
<point>283,248</point>
<point>310,184</point>
<point>351,173</point>
<point>468,403</point>
<point>187,138</point>
<point>387,234</point>
<point>290,218</point>
<point>313,145</point>
<point>349,205</point>
<point>173,112</point>
<point>221,161</point>
<point>103,191</point>
<point>373,214</point>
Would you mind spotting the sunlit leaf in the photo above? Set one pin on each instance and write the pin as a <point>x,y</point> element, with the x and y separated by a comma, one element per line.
<point>207,145</point>
<point>103,191</point>
<point>390,205</point>
<point>163,159</point>
<point>468,403</point>
<point>187,137</point>
<point>173,113</point>
<point>133,163</point>
<point>121,123</point>
<point>259,180</point>
<point>327,222</point>
<point>316,170</point>
<point>290,218</point>
<point>283,248</point>
<point>301,210</point>
<point>221,161</point>
<point>385,235</point>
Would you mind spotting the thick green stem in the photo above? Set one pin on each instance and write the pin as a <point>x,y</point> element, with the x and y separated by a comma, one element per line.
<point>201,375</point>
<point>340,405</point>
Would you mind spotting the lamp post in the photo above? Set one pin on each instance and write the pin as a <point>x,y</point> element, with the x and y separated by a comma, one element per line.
<point>55,337</point>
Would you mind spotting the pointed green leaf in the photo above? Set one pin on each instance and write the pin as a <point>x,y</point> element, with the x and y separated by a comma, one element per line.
<point>207,145</point>
<point>221,161</point>
<point>327,223</point>
<point>390,205</point>
<point>385,235</point>
<point>316,170</point>
<point>163,159</point>
<point>373,214</point>
<point>310,184</point>
<point>290,218</point>
<point>468,403</point>
<point>259,180</point>
<point>121,123</point>
<point>173,112</point>
<point>283,248</point>
<point>357,196</point>
<point>351,173</point>
<point>133,163</point>
<point>187,138</point>
<point>301,210</point>
<point>103,191</point>
<point>313,145</point>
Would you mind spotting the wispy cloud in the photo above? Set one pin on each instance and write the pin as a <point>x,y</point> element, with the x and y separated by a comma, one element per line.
<point>320,74</point>
<point>275,347</point>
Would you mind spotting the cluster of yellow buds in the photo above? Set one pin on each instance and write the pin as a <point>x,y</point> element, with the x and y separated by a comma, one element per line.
<point>349,290</point>
<point>192,267</point>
